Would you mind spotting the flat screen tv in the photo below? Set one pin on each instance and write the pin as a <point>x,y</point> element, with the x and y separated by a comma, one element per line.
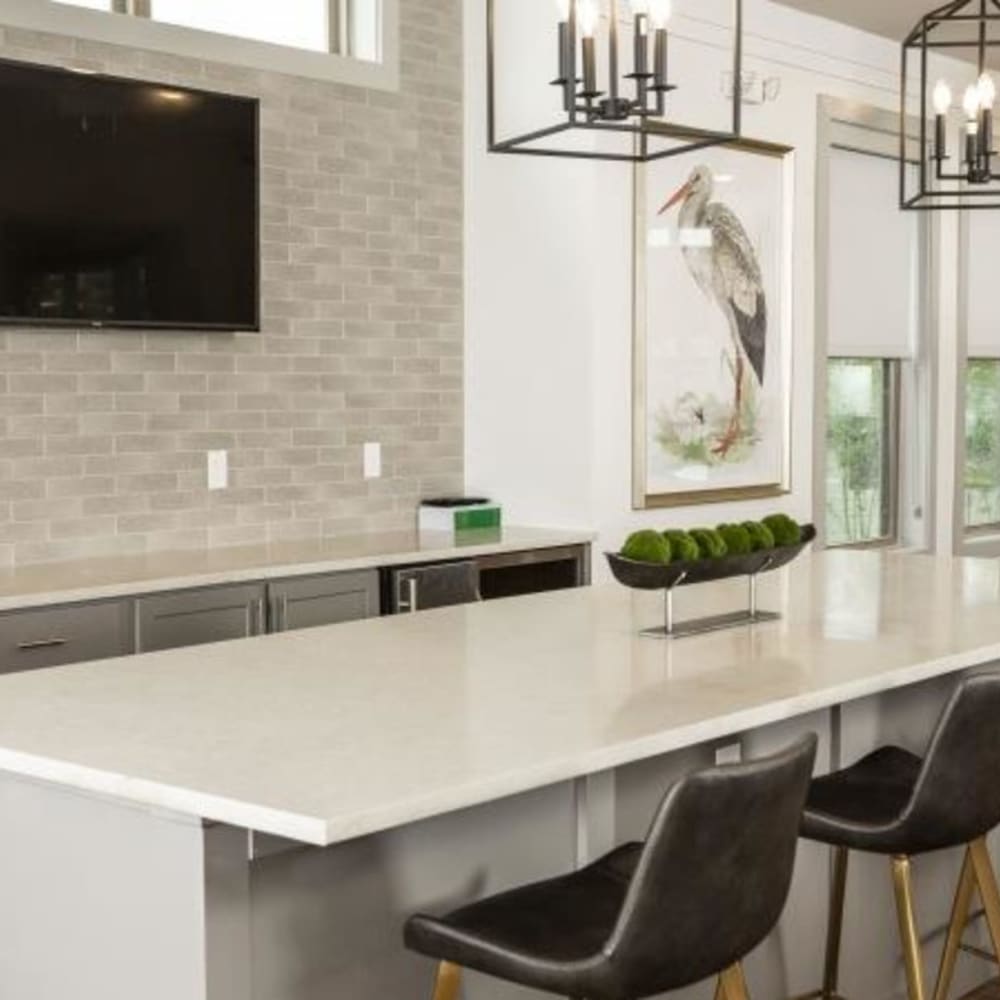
<point>126,204</point>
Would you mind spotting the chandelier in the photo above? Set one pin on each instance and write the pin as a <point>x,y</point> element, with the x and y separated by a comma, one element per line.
<point>955,165</point>
<point>629,102</point>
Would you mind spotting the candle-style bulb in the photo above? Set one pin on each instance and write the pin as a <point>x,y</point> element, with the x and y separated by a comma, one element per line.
<point>640,7</point>
<point>970,102</point>
<point>987,91</point>
<point>942,97</point>
<point>562,6</point>
<point>660,12</point>
<point>588,15</point>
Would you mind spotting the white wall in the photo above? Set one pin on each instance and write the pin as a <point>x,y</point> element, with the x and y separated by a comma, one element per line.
<point>548,324</point>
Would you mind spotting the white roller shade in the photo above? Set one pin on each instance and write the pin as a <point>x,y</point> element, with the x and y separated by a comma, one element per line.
<point>873,260</point>
<point>984,252</point>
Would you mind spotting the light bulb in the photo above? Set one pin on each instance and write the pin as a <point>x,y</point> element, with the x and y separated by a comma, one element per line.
<point>562,6</point>
<point>987,91</point>
<point>970,102</point>
<point>942,97</point>
<point>640,7</point>
<point>588,14</point>
<point>660,12</point>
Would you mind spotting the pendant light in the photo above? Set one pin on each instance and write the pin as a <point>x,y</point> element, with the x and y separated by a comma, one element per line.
<point>955,165</point>
<point>633,105</point>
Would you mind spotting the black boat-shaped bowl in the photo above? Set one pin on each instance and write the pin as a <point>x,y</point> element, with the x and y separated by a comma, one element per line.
<point>654,576</point>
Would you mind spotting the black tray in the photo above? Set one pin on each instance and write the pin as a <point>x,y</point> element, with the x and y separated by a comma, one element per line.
<point>652,576</point>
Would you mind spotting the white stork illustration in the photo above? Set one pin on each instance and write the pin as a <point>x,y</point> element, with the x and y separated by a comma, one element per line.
<point>726,269</point>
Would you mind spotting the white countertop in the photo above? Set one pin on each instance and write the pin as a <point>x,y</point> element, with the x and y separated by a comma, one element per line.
<point>100,579</point>
<point>332,733</point>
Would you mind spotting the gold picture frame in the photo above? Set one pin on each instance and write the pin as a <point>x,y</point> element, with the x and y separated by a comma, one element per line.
<point>666,174</point>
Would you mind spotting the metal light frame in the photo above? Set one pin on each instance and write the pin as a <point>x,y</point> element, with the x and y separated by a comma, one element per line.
<point>577,114</point>
<point>972,194</point>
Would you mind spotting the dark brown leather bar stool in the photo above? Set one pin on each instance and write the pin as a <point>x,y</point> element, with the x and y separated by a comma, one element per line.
<point>704,890</point>
<point>900,805</point>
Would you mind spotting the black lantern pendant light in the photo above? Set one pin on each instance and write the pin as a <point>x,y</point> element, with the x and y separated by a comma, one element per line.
<point>633,106</point>
<point>952,169</point>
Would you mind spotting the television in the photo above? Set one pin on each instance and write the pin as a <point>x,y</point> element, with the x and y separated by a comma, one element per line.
<point>126,203</point>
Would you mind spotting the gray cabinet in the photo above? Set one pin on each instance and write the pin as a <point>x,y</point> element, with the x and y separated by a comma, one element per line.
<point>306,602</point>
<point>193,617</point>
<point>49,637</point>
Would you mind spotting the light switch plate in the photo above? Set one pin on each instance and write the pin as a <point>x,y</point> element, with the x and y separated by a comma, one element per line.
<point>373,460</point>
<point>218,470</point>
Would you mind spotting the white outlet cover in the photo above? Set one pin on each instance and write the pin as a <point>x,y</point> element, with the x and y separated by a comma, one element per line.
<point>373,460</point>
<point>218,470</point>
<point>732,753</point>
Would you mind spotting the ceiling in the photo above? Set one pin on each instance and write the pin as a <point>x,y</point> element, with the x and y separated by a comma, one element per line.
<point>892,18</point>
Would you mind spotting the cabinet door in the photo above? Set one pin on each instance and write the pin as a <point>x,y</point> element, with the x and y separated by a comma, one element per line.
<point>323,600</point>
<point>48,637</point>
<point>192,617</point>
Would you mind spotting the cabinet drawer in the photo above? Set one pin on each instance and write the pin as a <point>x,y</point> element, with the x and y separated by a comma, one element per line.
<point>193,617</point>
<point>73,633</point>
<point>323,600</point>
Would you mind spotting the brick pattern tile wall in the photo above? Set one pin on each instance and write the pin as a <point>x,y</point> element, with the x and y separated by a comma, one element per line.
<point>104,434</point>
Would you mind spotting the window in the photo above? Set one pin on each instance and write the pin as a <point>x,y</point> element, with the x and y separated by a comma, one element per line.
<point>301,24</point>
<point>982,443</point>
<point>288,36</point>
<point>860,451</point>
<point>872,481</point>
<point>91,4</point>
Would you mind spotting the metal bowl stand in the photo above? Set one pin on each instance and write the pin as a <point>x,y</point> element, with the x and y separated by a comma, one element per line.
<point>750,615</point>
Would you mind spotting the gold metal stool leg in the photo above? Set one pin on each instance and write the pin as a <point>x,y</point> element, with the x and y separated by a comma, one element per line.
<point>987,883</point>
<point>903,885</point>
<point>449,977</point>
<point>959,919</point>
<point>834,930</point>
<point>732,984</point>
<point>835,925</point>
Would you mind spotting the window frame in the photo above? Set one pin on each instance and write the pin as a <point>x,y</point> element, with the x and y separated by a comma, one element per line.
<point>989,529</point>
<point>868,130</point>
<point>133,30</point>
<point>892,415</point>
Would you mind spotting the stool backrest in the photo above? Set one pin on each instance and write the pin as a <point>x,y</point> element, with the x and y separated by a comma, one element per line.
<point>957,796</point>
<point>714,873</point>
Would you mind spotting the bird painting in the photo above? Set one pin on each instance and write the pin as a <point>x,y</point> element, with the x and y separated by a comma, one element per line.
<point>723,262</point>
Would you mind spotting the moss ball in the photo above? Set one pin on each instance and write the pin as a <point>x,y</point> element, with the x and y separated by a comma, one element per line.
<point>647,546</point>
<point>761,536</point>
<point>785,530</point>
<point>710,543</point>
<point>737,539</point>
<point>682,546</point>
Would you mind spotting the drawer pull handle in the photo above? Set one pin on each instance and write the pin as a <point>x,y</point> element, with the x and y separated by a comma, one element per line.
<point>41,644</point>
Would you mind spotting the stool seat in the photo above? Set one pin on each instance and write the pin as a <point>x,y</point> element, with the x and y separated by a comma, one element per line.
<point>864,806</point>
<point>548,935</point>
<point>897,804</point>
<point>706,886</point>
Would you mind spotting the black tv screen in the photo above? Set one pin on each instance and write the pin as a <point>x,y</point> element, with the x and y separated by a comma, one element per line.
<point>125,203</point>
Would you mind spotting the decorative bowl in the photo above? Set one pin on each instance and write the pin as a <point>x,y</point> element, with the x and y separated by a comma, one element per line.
<point>654,576</point>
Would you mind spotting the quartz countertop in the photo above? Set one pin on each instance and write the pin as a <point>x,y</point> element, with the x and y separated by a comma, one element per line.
<point>100,579</point>
<point>333,733</point>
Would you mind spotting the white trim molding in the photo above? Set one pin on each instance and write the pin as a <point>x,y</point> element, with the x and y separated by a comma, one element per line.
<point>141,33</point>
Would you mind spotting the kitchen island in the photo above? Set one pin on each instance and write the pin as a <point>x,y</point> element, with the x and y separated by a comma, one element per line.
<point>254,819</point>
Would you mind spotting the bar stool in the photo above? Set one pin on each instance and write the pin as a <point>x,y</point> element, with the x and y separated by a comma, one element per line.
<point>897,804</point>
<point>704,890</point>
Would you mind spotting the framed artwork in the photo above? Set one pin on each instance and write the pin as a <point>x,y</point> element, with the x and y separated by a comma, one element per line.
<point>713,326</point>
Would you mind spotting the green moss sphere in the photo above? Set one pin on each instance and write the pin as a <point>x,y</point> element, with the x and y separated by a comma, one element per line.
<point>785,530</point>
<point>710,543</point>
<point>737,539</point>
<point>761,536</point>
<point>647,546</point>
<point>683,547</point>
